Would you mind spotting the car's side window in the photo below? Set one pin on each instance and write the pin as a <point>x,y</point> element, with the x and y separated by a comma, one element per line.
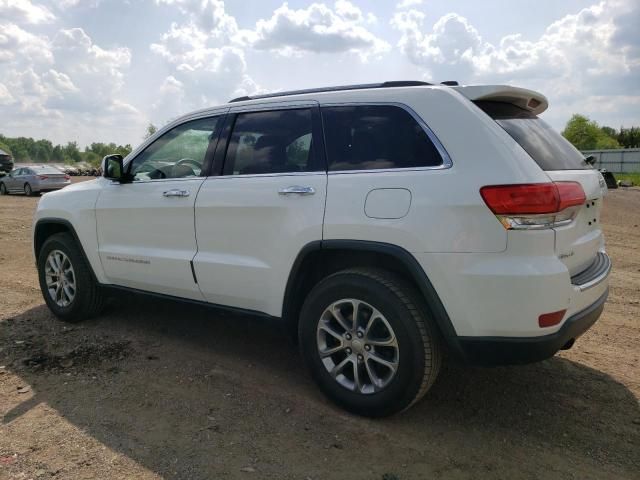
<point>371,137</point>
<point>278,141</point>
<point>179,153</point>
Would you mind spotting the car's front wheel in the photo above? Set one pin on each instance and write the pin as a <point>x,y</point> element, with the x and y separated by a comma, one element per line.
<point>369,341</point>
<point>66,282</point>
<point>3,189</point>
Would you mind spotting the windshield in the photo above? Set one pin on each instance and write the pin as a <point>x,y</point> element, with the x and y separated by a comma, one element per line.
<point>548,148</point>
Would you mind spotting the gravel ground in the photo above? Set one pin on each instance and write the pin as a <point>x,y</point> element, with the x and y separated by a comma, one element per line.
<point>155,389</point>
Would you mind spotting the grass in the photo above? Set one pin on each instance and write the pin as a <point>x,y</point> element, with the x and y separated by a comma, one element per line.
<point>634,177</point>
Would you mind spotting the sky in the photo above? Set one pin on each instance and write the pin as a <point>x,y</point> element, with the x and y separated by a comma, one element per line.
<point>101,70</point>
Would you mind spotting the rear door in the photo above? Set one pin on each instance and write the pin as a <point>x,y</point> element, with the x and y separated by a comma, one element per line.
<point>577,243</point>
<point>253,219</point>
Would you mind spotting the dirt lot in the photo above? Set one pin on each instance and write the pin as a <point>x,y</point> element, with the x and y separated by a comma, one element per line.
<point>161,390</point>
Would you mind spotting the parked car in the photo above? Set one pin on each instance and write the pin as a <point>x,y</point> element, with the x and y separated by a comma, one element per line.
<point>380,224</point>
<point>33,180</point>
<point>6,162</point>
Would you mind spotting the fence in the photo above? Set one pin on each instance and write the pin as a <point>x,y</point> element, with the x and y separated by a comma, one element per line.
<point>617,161</point>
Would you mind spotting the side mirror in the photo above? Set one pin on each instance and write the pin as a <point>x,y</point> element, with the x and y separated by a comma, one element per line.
<point>113,169</point>
<point>591,160</point>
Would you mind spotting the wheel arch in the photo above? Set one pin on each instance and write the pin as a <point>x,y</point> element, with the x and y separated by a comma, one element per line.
<point>46,227</point>
<point>321,258</point>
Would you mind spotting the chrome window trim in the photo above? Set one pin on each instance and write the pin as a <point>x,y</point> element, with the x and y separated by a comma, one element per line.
<point>158,180</point>
<point>273,106</point>
<point>446,159</point>
<point>278,174</point>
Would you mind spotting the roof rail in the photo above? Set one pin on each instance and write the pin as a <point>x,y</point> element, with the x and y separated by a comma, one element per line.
<point>395,83</point>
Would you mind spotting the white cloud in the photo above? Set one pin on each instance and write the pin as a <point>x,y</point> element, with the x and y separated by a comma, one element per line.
<point>24,11</point>
<point>208,15</point>
<point>5,96</point>
<point>575,56</point>
<point>408,4</point>
<point>67,82</point>
<point>318,29</point>
<point>18,45</point>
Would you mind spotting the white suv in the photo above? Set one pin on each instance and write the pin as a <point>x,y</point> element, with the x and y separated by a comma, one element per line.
<point>382,224</point>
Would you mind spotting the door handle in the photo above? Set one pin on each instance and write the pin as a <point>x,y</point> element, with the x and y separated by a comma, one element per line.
<point>176,193</point>
<point>297,189</point>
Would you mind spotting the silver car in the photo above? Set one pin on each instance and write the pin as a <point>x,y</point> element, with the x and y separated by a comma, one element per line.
<point>33,180</point>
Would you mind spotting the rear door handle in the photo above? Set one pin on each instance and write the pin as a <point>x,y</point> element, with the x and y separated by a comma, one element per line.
<point>297,189</point>
<point>176,193</point>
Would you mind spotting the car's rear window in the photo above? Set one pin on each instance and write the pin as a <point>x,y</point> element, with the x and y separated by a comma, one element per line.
<point>548,148</point>
<point>373,137</point>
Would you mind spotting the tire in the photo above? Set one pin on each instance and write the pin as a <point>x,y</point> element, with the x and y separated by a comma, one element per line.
<point>417,347</point>
<point>27,190</point>
<point>88,298</point>
<point>3,189</point>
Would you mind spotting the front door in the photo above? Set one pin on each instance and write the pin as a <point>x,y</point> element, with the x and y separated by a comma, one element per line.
<point>253,220</point>
<point>145,228</point>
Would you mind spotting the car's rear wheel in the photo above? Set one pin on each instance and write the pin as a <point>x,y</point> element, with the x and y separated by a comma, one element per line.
<point>27,190</point>
<point>66,282</point>
<point>3,189</point>
<point>369,341</point>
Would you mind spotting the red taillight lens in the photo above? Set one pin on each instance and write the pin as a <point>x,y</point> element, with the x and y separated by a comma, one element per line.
<point>571,194</point>
<point>42,177</point>
<point>67,177</point>
<point>533,198</point>
<point>534,205</point>
<point>524,199</point>
<point>551,319</point>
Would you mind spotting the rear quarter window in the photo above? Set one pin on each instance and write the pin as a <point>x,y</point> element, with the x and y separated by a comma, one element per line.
<point>373,137</point>
<point>550,150</point>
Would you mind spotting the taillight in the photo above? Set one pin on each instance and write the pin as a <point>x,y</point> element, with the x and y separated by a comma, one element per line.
<point>42,177</point>
<point>534,205</point>
<point>67,177</point>
<point>571,194</point>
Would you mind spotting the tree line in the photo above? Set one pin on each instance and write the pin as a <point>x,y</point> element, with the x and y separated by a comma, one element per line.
<point>586,134</point>
<point>27,149</point>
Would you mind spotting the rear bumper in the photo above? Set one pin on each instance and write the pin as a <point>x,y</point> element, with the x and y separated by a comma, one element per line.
<point>491,351</point>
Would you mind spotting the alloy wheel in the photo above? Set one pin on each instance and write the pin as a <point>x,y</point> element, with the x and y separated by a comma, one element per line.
<point>60,278</point>
<point>357,346</point>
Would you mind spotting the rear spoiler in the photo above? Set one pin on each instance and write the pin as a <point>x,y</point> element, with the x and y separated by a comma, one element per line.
<point>527,99</point>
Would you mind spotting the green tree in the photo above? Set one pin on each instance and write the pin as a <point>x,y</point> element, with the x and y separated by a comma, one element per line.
<point>57,154</point>
<point>72,152</point>
<point>586,134</point>
<point>629,137</point>
<point>4,146</point>
<point>151,129</point>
